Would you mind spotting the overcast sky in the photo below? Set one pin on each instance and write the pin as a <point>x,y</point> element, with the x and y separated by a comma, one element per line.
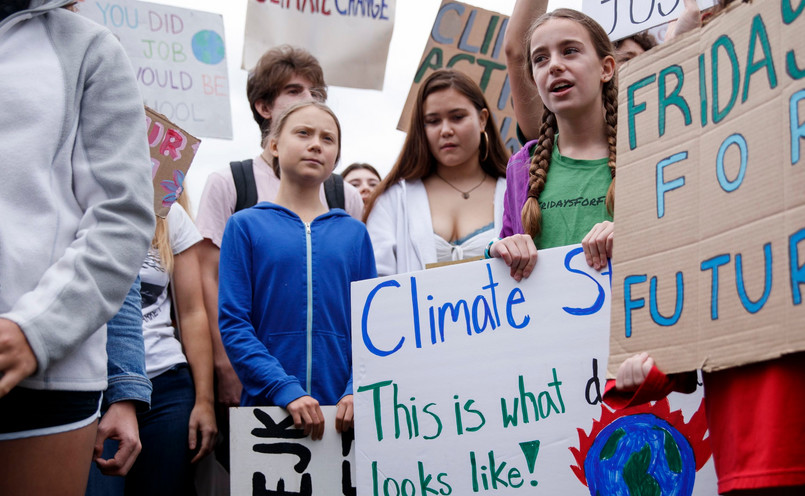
<point>368,118</point>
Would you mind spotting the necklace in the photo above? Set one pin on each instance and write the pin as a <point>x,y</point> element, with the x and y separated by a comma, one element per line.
<point>465,194</point>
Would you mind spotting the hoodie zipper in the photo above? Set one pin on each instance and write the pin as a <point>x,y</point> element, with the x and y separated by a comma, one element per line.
<point>309,247</point>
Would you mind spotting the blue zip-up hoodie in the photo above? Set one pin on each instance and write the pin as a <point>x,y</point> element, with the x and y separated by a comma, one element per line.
<point>284,302</point>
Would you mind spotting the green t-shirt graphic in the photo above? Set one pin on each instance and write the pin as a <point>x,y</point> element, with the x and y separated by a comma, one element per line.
<point>574,199</point>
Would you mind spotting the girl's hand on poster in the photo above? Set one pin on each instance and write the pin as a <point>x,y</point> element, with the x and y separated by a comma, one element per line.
<point>307,415</point>
<point>598,244</point>
<point>202,421</point>
<point>344,414</point>
<point>519,252</point>
<point>633,372</point>
<point>17,360</point>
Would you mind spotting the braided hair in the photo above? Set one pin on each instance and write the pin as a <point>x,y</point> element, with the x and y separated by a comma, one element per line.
<point>541,161</point>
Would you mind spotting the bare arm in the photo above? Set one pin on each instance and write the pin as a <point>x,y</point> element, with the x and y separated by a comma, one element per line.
<point>527,103</point>
<point>197,347</point>
<point>689,20</point>
<point>229,386</point>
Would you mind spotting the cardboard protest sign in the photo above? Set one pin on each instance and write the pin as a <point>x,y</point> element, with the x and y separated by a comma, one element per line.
<point>268,456</point>
<point>467,382</point>
<point>710,223</point>
<point>626,17</point>
<point>172,152</point>
<point>350,39</point>
<point>469,39</point>
<point>179,58</point>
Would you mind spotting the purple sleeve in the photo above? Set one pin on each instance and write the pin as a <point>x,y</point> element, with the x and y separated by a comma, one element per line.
<point>516,190</point>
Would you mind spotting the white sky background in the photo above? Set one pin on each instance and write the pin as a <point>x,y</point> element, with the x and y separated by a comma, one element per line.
<point>368,118</point>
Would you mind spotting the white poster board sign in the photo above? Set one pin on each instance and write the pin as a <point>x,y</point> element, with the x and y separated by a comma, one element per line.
<point>467,382</point>
<point>350,39</point>
<point>268,456</point>
<point>622,18</point>
<point>179,58</point>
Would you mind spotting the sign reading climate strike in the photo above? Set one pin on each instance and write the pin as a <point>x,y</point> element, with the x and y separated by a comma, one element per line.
<point>467,382</point>
<point>179,58</point>
<point>710,223</point>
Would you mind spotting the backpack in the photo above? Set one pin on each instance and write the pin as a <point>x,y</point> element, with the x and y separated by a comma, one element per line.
<point>246,187</point>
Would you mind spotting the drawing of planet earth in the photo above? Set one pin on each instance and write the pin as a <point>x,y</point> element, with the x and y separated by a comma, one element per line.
<point>640,455</point>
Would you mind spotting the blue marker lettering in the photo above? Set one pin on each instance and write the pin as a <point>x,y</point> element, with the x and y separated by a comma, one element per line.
<point>797,127</point>
<point>367,341</point>
<point>628,303</point>
<point>713,264</point>
<point>656,316</point>
<point>516,297</point>
<point>664,187</point>
<point>435,32</point>
<point>599,301</point>
<point>749,305</point>
<point>726,184</point>
<point>797,269</point>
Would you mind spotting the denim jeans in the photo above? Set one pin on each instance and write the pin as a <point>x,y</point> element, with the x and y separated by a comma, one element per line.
<point>163,467</point>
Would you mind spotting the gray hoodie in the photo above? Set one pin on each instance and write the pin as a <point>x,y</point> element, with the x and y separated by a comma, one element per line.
<point>76,201</point>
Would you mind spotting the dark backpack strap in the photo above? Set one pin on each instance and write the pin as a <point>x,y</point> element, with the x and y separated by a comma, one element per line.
<point>334,191</point>
<point>245,186</point>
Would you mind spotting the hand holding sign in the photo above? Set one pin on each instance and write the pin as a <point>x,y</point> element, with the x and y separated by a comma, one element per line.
<point>345,414</point>
<point>307,416</point>
<point>633,372</point>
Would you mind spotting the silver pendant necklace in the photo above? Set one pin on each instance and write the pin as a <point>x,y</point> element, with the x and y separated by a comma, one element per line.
<point>465,194</point>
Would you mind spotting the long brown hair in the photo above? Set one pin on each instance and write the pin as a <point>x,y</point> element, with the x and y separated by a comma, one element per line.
<point>538,172</point>
<point>416,160</point>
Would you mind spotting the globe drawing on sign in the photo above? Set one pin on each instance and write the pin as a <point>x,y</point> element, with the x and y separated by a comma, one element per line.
<point>208,47</point>
<point>646,450</point>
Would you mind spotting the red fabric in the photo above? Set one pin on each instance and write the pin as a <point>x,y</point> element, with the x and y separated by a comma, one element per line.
<point>656,387</point>
<point>756,418</point>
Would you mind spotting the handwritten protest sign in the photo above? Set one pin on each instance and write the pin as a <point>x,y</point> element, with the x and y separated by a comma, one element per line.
<point>467,382</point>
<point>179,59</point>
<point>710,223</point>
<point>349,38</point>
<point>269,456</point>
<point>622,18</point>
<point>172,152</point>
<point>469,39</point>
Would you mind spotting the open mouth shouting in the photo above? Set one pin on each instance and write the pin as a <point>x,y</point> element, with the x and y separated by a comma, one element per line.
<point>560,87</point>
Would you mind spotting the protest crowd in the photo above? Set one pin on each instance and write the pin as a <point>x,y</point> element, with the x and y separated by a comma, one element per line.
<point>126,336</point>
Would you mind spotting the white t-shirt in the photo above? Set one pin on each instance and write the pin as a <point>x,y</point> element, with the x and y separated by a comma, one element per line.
<point>162,348</point>
<point>220,196</point>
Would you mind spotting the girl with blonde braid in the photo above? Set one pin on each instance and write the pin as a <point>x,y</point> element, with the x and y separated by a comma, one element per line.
<point>560,187</point>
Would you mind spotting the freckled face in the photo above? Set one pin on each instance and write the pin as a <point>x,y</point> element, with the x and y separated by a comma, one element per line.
<point>364,181</point>
<point>453,127</point>
<point>566,68</point>
<point>307,146</point>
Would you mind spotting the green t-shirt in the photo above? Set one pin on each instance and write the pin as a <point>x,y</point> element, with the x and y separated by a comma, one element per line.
<point>574,199</point>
